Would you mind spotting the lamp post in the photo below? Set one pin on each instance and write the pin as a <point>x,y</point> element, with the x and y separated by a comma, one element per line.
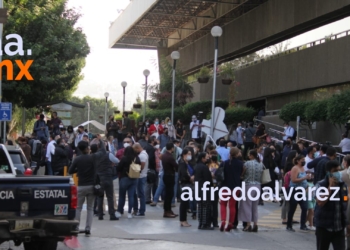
<point>106,95</point>
<point>124,84</point>
<point>216,32</point>
<point>88,103</point>
<point>146,73</point>
<point>175,55</point>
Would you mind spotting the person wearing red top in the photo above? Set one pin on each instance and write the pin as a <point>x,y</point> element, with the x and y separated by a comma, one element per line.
<point>155,129</point>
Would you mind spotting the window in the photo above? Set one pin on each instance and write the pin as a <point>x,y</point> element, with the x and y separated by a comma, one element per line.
<point>16,158</point>
<point>4,163</point>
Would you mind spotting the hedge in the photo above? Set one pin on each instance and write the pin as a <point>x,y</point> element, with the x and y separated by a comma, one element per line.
<point>161,114</point>
<point>338,108</point>
<point>315,111</point>
<point>238,114</point>
<point>291,111</point>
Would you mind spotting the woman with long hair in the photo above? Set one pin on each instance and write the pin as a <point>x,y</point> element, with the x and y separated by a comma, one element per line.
<point>270,164</point>
<point>201,175</point>
<point>248,209</point>
<point>186,179</point>
<point>298,178</point>
<point>289,164</point>
<point>260,134</point>
<point>126,184</point>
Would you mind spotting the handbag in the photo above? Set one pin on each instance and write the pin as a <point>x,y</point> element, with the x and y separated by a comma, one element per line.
<point>151,176</point>
<point>265,177</point>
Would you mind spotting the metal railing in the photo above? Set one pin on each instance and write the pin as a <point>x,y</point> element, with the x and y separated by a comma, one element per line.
<point>295,49</point>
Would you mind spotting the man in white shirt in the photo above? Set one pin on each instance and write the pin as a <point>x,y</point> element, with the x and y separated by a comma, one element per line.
<point>240,132</point>
<point>309,158</point>
<point>141,182</point>
<point>195,128</point>
<point>345,145</point>
<point>288,132</point>
<point>50,150</point>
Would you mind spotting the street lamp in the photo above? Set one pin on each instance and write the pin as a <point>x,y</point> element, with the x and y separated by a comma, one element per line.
<point>106,95</point>
<point>146,73</point>
<point>124,84</point>
<point>216,32</point>
<point>175,55</point>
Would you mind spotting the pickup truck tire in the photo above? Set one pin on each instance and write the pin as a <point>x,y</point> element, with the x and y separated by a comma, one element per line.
<point>41,245</point>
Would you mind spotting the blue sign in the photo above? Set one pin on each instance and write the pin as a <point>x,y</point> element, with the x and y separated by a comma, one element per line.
<point>5,111</point>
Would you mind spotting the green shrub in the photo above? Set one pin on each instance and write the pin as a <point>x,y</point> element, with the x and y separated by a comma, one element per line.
<point>315,112</point>
<point>291,111</point>
<point>338,108</point>
<point>193,108</point>
<point>161,114</point>
<point>238,114</point>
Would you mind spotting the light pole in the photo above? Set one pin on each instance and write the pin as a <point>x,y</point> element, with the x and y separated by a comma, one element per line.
<point>88,103</point>
<point>216,32</point>
<point>124,84</point>
<point>106,95</point>
<point>175,55</point>
<point>146,73</point>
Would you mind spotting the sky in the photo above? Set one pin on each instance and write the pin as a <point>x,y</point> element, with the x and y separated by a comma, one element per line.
<point>106,68</point>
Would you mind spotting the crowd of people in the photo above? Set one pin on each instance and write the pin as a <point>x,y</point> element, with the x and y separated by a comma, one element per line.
<point>159,163</point>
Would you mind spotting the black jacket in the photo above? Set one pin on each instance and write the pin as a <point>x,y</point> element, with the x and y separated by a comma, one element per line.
<point>232,171</point>
<point>59,159</point>
<point>151,153</point>
<point>184,177</point>
<point>202,174</point>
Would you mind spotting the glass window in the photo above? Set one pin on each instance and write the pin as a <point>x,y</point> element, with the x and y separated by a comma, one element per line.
<point>16,158</point>
<point>4,163</point>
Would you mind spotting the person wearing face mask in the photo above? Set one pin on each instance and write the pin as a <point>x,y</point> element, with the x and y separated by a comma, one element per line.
<point>164,139</point>
<point>59,158</point>
<point>180,130</point>
<point>127,142</point>
<point>213,166</point>
<point>288,132</point>
<point>143,130</point>
<point>202,174</point>
<point>331,214</point>
<point>155,129</point>
<point>298,178</point>
<point>286,149</point>
<point>195,128</point>
<point>186,179</point>
<point>171,129</point>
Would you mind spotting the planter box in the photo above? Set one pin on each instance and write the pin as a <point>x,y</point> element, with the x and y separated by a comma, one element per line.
<point>203,79</point>
<point>226,81</point>
<point>137,106</point>
<point>116,112</point>
<point>153,105</point>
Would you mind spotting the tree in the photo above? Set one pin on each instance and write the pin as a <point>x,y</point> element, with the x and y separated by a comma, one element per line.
<point>315,112</point>
<point>97,111</point>
<point>238,114</point>
<point>59,49</point>
<point>161,92</point>
<point>338,109</point>
<point>291,111</point>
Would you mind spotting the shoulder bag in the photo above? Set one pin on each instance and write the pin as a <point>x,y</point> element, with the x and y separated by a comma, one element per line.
<point>265,177</point>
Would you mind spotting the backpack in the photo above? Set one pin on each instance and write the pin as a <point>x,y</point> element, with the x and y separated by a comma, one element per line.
<point>220,174</point>
<point>134,170</point>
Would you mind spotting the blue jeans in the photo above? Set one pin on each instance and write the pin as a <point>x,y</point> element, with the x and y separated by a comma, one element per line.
<point>126,184</point>
<point>49,168</point>
<point>175,187</point>
<point>140,193</point>
<point>160,188</point>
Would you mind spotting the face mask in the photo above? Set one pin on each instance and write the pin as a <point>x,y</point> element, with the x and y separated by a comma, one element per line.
<point>189,157</point>
<point>169,123</point>
<point>229,148</point>
<point>316,154</point>
<point>337,175</point>
<point>126,145</point>
<point>156,123</point>
<point>303,163</point>
<point>147,123</point>
<point>156,146</point>
<point>285,127</point>
<point>61,126</point>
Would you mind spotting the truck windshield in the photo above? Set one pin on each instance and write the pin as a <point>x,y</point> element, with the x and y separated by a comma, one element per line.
<point>4,163</point>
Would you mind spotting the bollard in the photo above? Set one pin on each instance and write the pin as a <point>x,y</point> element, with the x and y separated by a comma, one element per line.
<point>65,170</point>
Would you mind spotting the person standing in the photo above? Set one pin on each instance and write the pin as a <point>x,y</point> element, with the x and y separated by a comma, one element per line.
<point>40,128</point>
<point>202,175</point>
<point>141,182</point>
<point>345,145</point>
<point>112,129</point>
<point>171,128</point>
<point>180,131</point>
<point>233,169</point>
<point>240,137</point>
<point>55,123</point>
<point>248,142</point>
<point>196,131</point>
<point>223,151</point>
<point>85,166</point>
<point>331,215</point>
<point>49,152</point>
<point>126,125</point>
<point>288,132</point>
<point>170,167</point>
<point>155,129</point>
